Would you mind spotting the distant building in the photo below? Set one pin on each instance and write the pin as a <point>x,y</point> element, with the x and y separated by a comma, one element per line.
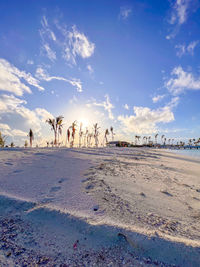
<point>118,143</point>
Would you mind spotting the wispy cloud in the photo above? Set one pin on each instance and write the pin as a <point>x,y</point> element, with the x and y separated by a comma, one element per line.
<point>179,15</point>
<point>49,52</point>
<point>46,30</point>
<point>107,105</point>
<point>77,44</point>
<point>183,49</point>
<point>158,98</point>
<point>191,47</point>
<point>90,69</point>
<point>47,35</point>
<point>69,40</point>
<point>182,80</point>
<point>11,79</point>
<point>179,12</point>
<point>125,12</point>
<point>43,75</point>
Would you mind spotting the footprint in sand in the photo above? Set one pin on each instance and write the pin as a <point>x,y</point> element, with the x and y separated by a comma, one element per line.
<point>62,180</point>
<point>90,186</point>
<point>166,193</point>
<point>55,189</point>
<point>18,171</point>
<point>8,163</point>
<point>85,180</point>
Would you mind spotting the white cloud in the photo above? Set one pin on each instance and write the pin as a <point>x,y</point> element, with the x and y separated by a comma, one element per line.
<point>4,126</point>
<point>19,119</point>
<point>77,83</point>
<point>47,35</point>
<point>90,69</point>
<point>72,42</point>
<point>107,105</point>
<point>126,107</point>
<point>17,132</point>
<point>182,81</point>
<point>7,131</point>
<point>179,12</point>
<point>183,49</point>
<point>145,119</point>
<point>125,12</point>
<point>179,15</point>
<point>43,75</point>
<point>46,31</point>
<point>191,47</point>
<point>49,52</point>
<point>10,79</point>
<point>158,98</point>
<point>77,44</point>
<point>43,114</point>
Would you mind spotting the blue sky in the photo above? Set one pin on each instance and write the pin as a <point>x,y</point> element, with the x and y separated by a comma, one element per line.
<point>130,64</point>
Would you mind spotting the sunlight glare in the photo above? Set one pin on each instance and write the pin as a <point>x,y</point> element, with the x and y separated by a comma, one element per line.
<point>84,121</point>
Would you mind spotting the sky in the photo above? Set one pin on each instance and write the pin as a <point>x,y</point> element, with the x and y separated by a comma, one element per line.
<point>133,65</point>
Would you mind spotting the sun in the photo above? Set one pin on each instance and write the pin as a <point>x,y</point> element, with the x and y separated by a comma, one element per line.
<point>84,121</point>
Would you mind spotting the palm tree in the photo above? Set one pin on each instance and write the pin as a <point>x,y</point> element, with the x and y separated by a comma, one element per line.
<point>56,126</point>
<point>31,137</point>
<point>96,134</point>
<point>80,134</point>
<point>165,139</point>
<point>90,135</point>
<point>73,127</point>
<point>86,137</point>
<point>68,135</point>
<point>162,139</point>
<point>156,136</point>
<point>105,136</point>
<point>144,137</point>
<point>139,138</point>
<point>26,143</point>
<point>2,140</point>
<point>12,144</point>
<point>149,139</point>
<point>111,130</point>
<point>136,137</point>
<point>60,126</point>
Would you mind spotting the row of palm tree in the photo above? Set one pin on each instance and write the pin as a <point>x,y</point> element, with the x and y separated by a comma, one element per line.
<point>86,137</point>
<point>148,140</point>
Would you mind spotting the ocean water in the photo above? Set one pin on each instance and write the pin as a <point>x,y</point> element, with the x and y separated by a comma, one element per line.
<point>195,153</point>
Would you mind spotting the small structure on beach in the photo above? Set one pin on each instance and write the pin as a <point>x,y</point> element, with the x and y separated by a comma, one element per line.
<point>118,143</point>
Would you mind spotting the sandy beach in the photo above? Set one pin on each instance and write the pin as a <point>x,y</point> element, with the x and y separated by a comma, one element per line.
<point>99,207</point>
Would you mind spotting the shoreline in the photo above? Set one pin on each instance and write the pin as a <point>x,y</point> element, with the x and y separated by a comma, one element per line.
<point>124,186</point>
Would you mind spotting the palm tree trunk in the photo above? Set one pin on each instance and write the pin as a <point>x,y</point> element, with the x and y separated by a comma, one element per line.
<point>55,141</point>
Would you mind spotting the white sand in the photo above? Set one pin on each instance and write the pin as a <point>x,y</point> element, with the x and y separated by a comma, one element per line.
<point>151,196</point>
